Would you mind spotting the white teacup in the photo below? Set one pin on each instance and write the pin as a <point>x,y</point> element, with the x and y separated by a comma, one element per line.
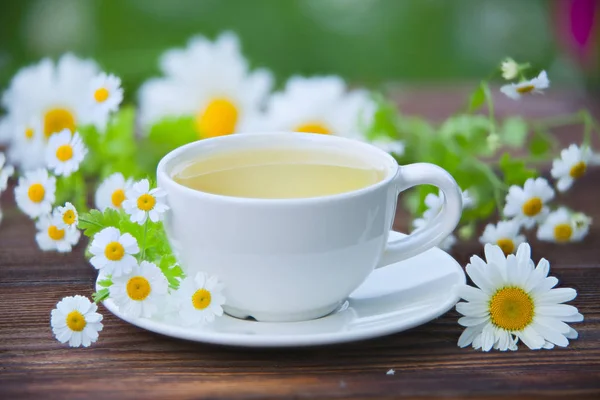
<point>297,259</point>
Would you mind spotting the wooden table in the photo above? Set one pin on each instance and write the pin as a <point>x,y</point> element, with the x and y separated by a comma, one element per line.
<point>128,362</point>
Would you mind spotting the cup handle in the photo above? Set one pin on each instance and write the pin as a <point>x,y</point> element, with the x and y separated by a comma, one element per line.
<point>440,226</point>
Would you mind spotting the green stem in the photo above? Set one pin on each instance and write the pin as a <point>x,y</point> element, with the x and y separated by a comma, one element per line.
<point>490,104</point>
<point>143,252</point>
<point>498,186</point>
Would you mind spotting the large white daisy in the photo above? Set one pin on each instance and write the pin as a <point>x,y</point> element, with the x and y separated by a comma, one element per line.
<point>514,301</point>
<point>320,105</point>
<point>527,204</point>
<point>64,152</point>
<point>210,81</point>
<point>111,192</point>
<point>535,85</point>
<point>141,291</point>
<point>571,165</point>
<point>199,299</point>
<point>113,252</point>
<point>504,234</point>
<point>563,227</point>
<point>76,321</point>
<point>142,203</point>
<point>51,236</point>
<point>35,192</point>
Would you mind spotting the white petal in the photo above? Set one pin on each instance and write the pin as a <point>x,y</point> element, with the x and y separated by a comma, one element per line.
<point>551,335</point>
<point>560,295</point>
<point>557,310</point>
<point>470,293</point>
<point>473,309</point>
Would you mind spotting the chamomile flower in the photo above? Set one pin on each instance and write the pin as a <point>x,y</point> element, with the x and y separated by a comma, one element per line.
<point>142,203</point>
<point>105,94</point>
<point>113,252</point>
<point>28,145</point>
<point>6,171</point>
<point>527,204</point>
<point>51,236</point>
<point>55,94</point>
<point>571,165</point>
<point>64,152</point>
<point>514,301</point>
<point>141,291</point>
<point>445,244</point>
<point>320,105</point>
<point>535,85</point>
<point>562,227</point>
<point>435,202</point>
<point>111,192</point>
<point>210,81</point>
<point>35,192</point>
<point>66,216</point>
<point>510,69</point>
<point>76,321</point>
<point>505,234</point>
<point>200,299</point>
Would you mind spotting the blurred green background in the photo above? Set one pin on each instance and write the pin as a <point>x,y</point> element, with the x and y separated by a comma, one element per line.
<point>366,41</point>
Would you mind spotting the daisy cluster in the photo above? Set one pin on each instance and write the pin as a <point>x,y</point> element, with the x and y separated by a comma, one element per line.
<point>137,269</point>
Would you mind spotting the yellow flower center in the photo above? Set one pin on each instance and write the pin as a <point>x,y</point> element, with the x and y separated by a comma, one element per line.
<point>532,207</point>
<point>64,152</point>
<point>146,202</point>
<point>101,95</point>
<point>117,197</point>
<point>313,128</point>
<point>138,288</point>
<point>36,192</point>
<point>201,299</point>
<point>218,119</point>
<point>525,89</point>
<point>57,119</point>
<point>69,217</point>
<point>507,245</point>
<point>578,170</point>
<point>29,133</point>
<point>76,321</point>
<point>114,251</point>
<point>55,233</point>
<point>511,309</point>
<point>563,232</point>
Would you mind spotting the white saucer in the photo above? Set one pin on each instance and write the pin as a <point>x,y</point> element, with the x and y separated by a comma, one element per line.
<point>392,299</point>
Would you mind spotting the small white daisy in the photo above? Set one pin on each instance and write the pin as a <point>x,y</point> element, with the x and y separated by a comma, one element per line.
<point>106,95</point>
<point>111,192</point>
<point>446,244</point>
<point>514,301</point>
<point>113,252</point>
<point>28,145</point>
<point>141,291</point>
<point>142,203</point>
<point>535,85</point>
<point>510,69</point>
<point>6,171</point>
<point>527,204</point>
<point>64,152</point>
<point>51,236</point>
<point>562,227</point>
<point>504,234</point>
<point>320,105</point>
<point>210,81</point>
<point>200,299</point>
<point>435,202</point>
<point>76,321</point>
<point>35,192</point>
<point>571,165</point>
<point>66,216</point>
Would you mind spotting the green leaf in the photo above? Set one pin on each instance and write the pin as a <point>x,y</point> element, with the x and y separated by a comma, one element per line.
<point>514,131</point>
<point>171,133</point>
<point>95,220</point>
<point>514,171</point>
<point>469,132</point>
<point>100,295</point>
<point>384,119</point>
<point>477,98</point>
<point>133,228</point>
<point>540,144</point>
<point>171,270</point>
<point>72,189</point>
<point>105,282</point>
